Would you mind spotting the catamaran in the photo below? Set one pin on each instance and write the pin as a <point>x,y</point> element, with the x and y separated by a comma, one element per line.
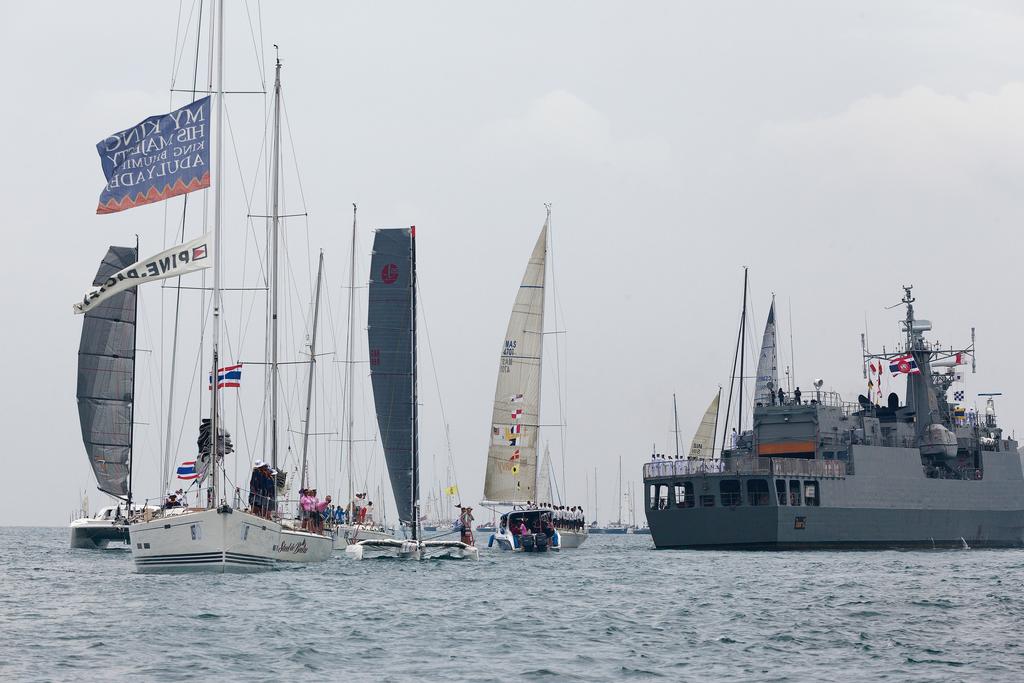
<point>512,477</point>
<point>391,332</point>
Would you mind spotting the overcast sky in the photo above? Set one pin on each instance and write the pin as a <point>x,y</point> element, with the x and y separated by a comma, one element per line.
<point>838,151</point>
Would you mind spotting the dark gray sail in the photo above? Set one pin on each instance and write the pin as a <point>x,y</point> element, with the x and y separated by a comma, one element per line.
<point>106,371</point>
<point>391,333</point>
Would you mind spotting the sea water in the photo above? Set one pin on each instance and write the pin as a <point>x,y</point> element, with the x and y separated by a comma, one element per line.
<point>615,609</point>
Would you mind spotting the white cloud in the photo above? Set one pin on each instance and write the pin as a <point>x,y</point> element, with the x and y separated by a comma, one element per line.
<point>919,138</point>
<point>560,124</point>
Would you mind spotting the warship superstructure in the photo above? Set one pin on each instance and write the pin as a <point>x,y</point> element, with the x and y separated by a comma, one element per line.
<point>816,471</point>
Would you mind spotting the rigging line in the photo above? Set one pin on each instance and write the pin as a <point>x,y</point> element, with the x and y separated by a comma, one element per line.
<point>177,55</point>
<point>298,180</point>
<point>166,461</point>
<point>558,362</point>
<point>255,48</point>
<point>437,383</point>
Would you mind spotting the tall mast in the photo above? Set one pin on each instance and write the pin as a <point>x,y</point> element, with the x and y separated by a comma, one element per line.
<point>218,146</point>
<point>743,340</point>
<point>620,491</point>
<point>312,368</point>
<point>275,227</point>
<point>348,352</point>
<point>540,366</point>
<point>675,411</point>
<point>415,399</point>
<point>714,432</point>
<point>135,360</point>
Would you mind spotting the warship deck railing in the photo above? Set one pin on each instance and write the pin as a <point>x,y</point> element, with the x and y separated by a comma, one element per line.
<point>783,467</point>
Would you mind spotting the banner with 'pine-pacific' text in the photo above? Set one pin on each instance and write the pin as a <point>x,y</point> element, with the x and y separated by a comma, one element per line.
<point>184,258</point>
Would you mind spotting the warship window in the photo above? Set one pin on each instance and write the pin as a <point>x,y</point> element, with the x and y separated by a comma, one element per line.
<point>780,491</point>
<point>707,501</point>
<point>684,494</point>
<point>794,492</point>
<point>659,496</point>
<point>811,493</point>
<point>730,490</point>
<point>757,492</point>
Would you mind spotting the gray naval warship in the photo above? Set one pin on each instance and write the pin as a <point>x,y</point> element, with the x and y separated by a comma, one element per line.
<point>824,473</point>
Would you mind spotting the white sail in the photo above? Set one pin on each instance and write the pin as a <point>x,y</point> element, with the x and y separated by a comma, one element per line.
<point>703,444</point>
<point>767,364</point>
<point>544,478</point>
<point>512,454</point>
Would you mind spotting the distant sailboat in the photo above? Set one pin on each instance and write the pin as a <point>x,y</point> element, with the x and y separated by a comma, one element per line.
<point>106,400</point>
<point>391,331</point>
<point>703,445</point>
<point>767,380</point>
<point>511,476</point>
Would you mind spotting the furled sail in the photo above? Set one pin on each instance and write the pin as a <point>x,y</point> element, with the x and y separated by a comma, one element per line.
<point>767,365</point>
<point>703,444</point>
<point>512,455</point>
<point>391,334</point>
<point>106,370</point>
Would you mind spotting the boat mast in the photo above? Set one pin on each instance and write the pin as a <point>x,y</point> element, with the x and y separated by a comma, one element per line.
<point>135,360</point>
<point>743,340</point>
<point>218,146</point>
<point>275,227</point>
<point>675,411</point>
<point>348,354</point>
<point>714,432</point>
<point>312,368</point>
<point>620,491</point>
<point>415,399</point>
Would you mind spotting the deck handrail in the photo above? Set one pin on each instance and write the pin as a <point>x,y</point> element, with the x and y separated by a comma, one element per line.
<point>746,466</point>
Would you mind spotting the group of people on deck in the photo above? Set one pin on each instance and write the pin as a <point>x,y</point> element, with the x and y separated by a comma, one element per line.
<point>569,518</point>
<point>312,510</point>
<point>263,490</point>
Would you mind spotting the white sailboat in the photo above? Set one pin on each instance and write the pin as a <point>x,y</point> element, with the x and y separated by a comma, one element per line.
<point>391,332</point>
<point>511,476</point>
<point>297,544</point>
<point>702,447</point>
<point>216,537</point>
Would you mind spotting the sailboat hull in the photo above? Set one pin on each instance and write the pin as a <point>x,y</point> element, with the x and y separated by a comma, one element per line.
<point>571,539</point>
<point>411,550</point>
<point>297,545</point>
<point>345,535</point>
<point>216,540</point>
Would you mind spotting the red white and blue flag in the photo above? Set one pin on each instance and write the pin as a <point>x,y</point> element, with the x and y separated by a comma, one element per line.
<point>187,470</point>
<point>904,365</point>
<point>230,376</point>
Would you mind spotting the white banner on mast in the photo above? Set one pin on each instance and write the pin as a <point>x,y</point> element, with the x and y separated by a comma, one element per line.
<point>184,258</point>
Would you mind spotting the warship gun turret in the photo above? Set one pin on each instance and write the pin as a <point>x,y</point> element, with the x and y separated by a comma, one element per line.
<point>816,471</point>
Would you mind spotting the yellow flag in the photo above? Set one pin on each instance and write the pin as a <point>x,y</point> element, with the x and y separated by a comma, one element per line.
<point>515,469</point>
<point>451,490</point>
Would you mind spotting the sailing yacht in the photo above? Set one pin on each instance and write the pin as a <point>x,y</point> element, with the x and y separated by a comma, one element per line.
<point>512,477</point>
<point>215,537</point>
<point>302,542</point>
<point>106,400</point>
<point>352,531</point>
<point>391,331</point>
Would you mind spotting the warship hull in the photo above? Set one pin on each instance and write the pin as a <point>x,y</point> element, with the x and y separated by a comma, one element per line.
<point>886,500</point>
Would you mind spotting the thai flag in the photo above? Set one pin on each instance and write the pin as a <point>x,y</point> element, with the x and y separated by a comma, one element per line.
<point>230,376</point>
<point>187,470</point>
<point>904,365</point>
